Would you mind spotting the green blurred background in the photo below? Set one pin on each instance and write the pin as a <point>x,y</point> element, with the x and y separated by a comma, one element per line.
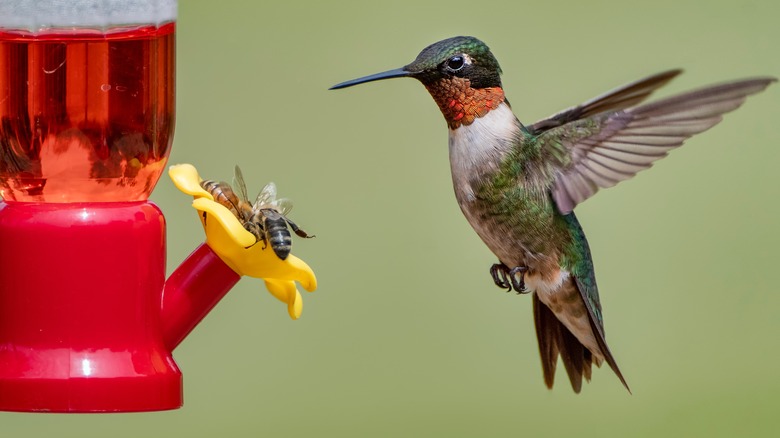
<point>407,335</point>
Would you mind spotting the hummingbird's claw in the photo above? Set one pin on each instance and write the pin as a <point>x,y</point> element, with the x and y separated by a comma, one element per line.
<point>506,278</point>
<point>499,273</point>
<point>519,285</point>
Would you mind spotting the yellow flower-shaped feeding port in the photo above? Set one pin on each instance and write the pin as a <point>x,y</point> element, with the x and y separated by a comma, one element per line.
<point>238,248</point>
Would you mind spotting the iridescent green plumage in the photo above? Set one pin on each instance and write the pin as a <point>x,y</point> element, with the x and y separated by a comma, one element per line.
<point>431,56</point>
<point>518,185</point>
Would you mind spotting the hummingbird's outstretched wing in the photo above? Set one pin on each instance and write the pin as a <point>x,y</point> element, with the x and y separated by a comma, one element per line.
<point>601,150</point>
<point>620,98</point>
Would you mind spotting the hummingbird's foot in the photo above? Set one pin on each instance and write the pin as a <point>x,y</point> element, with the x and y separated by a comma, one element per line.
<point>499,272</point>
<point>518,285</point>
<point>506,278</point>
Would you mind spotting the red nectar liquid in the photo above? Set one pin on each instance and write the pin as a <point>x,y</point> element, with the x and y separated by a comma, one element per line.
<point>85,116</point>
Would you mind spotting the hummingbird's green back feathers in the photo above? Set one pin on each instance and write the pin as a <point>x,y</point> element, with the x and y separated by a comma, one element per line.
<point>599,151</point>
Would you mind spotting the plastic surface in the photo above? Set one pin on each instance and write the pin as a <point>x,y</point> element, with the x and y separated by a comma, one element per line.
<point>238,248</point>
<point>80,294</point>
<point>87,320</point>
<point>192,291</point>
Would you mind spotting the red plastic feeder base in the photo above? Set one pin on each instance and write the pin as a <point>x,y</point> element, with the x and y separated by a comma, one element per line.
<point>80,296</point>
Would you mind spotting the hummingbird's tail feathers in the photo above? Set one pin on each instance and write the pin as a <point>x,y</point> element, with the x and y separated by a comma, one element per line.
<point>605,149</point>
<point>547,336</point>
<point>554,339</point>
<point>620,98</point>
<point>598,333</point>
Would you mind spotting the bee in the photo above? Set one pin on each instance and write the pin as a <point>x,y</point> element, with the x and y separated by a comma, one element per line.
<point>223,194</point>
<point>267,218</point>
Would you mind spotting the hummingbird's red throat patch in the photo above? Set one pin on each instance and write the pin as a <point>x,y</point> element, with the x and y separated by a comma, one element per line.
<point>460,103</point>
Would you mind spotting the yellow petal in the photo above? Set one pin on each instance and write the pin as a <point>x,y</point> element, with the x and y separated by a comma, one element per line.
<point>223,229</point>
<point>286,291</point>
<point>277,289</point>
<point>239,248</point>
<point>262,262</point>
<point>185,177</point>
<point>295,308</point>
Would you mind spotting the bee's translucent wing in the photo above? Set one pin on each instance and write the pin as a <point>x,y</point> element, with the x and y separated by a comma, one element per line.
<point>283,205</point>
<point>239,184</point>
<point>267,195</point>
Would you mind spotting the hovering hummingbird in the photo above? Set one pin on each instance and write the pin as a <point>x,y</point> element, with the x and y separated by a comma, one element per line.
<point>518,184</point>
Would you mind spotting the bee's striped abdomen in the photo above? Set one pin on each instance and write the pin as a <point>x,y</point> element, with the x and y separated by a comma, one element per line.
<point>277,233</point>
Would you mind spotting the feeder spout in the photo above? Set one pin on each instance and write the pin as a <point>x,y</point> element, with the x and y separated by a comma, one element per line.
<point>191,291</point>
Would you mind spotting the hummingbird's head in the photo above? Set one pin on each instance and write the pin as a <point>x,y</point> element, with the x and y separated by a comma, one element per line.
<point>461,74</point>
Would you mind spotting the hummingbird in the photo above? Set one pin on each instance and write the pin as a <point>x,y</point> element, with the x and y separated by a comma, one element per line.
<point>518,184</point>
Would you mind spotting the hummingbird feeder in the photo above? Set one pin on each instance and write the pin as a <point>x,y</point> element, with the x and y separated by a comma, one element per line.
<point>88,321</point>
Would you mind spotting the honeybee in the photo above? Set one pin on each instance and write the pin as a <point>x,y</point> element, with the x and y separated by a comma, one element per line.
<point>223,194</point>
<point>266,219</point>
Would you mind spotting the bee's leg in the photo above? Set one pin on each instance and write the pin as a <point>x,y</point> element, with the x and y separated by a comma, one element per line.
<point>297,230</point>
<point>256,230</point>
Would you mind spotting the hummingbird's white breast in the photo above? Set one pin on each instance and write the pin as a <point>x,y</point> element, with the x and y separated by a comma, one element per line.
<point>476,152</point>
<point>476,149</point>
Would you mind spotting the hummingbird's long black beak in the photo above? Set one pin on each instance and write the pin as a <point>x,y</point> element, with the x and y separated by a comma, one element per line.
<point>397,73</point>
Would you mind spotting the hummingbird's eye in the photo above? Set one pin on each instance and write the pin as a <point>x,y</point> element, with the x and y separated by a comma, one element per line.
<point>455,63</point>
